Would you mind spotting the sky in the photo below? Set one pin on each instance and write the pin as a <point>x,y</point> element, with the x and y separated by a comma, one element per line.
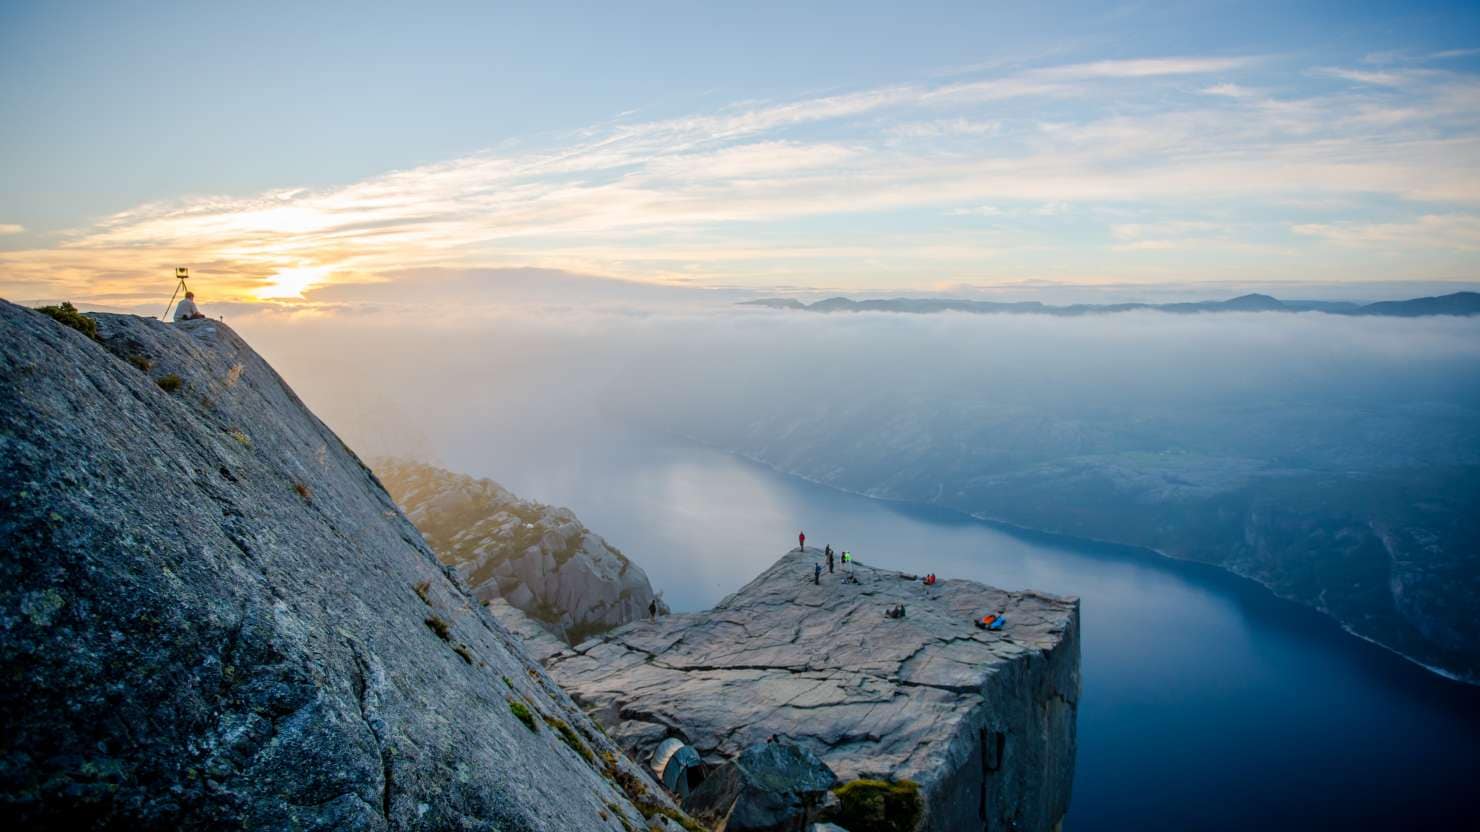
<point>315,158</point>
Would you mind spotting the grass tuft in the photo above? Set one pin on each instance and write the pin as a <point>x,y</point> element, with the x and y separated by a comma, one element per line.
<point>522,711</point>
<point>439,627</point>
<point>169,383</point>
<point>570,737</point>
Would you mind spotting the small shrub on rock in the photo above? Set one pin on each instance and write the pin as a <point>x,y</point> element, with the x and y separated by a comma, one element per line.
<point>67,315</point>
<point>141,361</point>
<point>879,805</point>
<point>169,383</point>
<point>303,491</point>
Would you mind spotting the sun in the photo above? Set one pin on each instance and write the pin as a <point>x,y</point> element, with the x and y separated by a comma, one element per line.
<point>290,283</point>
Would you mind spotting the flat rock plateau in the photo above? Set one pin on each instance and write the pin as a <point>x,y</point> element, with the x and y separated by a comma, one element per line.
<point>983,721</point>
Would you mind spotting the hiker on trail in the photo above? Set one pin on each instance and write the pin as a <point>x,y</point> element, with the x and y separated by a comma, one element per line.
<point>653,609</point>
<point>187,310</point>
<point>802,541</point>
<point>828,551</point>
<point>817,574</point>
<point>845,558</point>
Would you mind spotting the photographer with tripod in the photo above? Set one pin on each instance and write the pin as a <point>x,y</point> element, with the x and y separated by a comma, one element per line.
<point>187,310</point>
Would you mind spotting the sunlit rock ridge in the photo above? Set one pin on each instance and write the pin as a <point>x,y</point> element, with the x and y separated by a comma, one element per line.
<point>539,558</point>
<point>213,616</point>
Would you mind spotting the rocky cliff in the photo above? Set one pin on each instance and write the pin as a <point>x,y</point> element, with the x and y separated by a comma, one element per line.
<point>537,557</point>
<point>983,721</point>
<point>212,615</point>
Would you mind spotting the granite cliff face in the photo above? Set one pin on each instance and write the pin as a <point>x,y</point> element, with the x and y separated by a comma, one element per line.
<point>537,557</point>
<point>983,721</point>
<point>213,616</point>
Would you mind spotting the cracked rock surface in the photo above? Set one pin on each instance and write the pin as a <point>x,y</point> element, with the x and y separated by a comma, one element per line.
<point>212,616</point>
<point>983,720</point>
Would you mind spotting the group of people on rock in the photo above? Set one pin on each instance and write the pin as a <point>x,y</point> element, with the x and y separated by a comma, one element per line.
<point>990,621</point>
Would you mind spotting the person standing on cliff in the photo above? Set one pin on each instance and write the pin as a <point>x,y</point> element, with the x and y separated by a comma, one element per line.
<point>801,541</point>
<point>653,609</point>
<point>817,574</point>
<point>827,550</point>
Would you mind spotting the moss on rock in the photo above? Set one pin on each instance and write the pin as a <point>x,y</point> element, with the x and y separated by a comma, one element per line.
<point>879,805</point>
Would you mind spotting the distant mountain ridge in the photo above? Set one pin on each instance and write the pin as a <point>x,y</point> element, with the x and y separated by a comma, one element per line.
<point>1456,303</point>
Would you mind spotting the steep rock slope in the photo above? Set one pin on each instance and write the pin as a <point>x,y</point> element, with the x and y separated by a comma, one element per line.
<point>983,721</point>
<point>213,616</point>
<point>537,557</point>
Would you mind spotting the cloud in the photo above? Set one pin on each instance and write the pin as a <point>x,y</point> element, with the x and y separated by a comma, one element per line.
<point>1432,231</point>
<point>1228,91</point>
<point>808,190</point>
<point>11,228</point>
<point>944,127</point>
<point>1146,68</point>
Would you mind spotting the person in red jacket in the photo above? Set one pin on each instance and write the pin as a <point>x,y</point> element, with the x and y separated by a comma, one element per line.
<point>802,541</point>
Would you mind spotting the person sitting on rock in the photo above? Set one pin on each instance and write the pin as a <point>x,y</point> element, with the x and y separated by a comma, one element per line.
<point>187,310</point>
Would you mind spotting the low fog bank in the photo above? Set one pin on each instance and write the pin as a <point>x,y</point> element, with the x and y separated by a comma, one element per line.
<point>1309,386</point>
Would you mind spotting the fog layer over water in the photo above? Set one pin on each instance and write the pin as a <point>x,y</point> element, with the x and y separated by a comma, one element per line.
<point>1207,703</point>
<point>408,386</point>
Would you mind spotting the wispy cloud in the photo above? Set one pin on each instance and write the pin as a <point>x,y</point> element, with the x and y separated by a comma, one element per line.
<point>1431,231</point>
<point>841,184</point>
<point>10,228</point>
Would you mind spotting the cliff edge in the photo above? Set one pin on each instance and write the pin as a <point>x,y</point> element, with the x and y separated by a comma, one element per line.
<point>212,615</point>
<point>982,720</point>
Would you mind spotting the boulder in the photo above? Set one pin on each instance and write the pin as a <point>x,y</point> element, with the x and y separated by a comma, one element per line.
<point>770,787</point>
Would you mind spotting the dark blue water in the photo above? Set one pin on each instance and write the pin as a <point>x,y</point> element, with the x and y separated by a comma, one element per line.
<point>1207,703</point>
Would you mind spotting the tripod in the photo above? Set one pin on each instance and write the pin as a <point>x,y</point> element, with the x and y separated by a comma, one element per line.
<point>180,276</point>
